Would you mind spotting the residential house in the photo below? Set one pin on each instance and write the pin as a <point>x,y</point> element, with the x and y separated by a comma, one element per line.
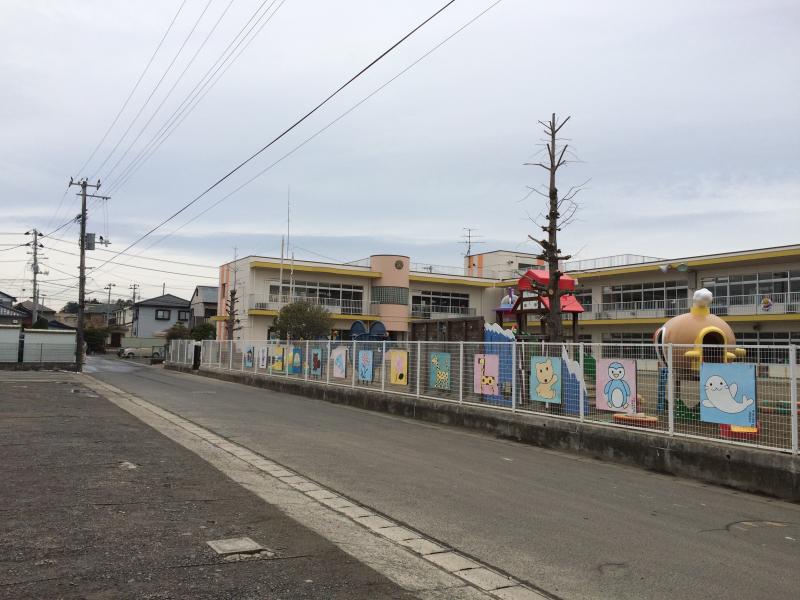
<point>26,308</point>
<point>153,317</point>
<point>8,314</point>
<point>204,304</point>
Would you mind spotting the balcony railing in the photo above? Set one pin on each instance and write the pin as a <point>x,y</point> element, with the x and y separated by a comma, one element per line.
<point>644,309</point>
<point>332,305</point>
<point>750,304</point>
<point>441,312</point>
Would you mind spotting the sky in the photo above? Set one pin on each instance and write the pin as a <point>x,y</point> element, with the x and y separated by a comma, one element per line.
<point>685,120</point>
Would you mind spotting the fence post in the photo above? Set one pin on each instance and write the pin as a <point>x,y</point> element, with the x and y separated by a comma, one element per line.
<point>355,366</point>
<point>230,357</point>
<point>306,362</point>
<point>383,366</point>
<point>793,394</point>
<point>328,365</point>
<point>670,391</point>
<point>419,364</point>
<point>243,355</point>
<point>581,395</point>
<point>41,353</point>
<point>287,358</point>
<point>514,376</point>
<point>460,372</point>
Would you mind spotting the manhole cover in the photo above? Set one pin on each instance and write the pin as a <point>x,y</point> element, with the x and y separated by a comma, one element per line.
<point>239,548</point>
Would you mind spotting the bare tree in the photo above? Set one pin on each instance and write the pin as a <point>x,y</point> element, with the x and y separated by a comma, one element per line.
<point>232,322</point>
<point>561,212</point>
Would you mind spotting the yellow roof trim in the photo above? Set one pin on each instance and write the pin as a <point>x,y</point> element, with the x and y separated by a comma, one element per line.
<point>427,279</point>
<point>262,264</point>
<point>653,267</point>
<point>218,318</point>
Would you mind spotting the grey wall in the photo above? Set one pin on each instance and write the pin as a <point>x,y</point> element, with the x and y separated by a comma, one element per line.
<point>146,324</point>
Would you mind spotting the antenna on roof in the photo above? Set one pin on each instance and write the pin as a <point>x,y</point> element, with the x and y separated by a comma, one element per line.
<point>470,238</point>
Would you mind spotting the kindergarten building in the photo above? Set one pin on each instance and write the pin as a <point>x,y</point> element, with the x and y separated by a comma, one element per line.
<point>625,298</point>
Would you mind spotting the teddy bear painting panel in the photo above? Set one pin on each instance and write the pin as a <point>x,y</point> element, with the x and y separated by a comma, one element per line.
<point>616,385</point>
<point>545,384</point>
<point>728,394</point>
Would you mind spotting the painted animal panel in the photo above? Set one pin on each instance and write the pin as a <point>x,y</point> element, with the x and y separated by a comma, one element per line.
<point>439,371</point>
<point>545,381</point>
<point>486,373</point>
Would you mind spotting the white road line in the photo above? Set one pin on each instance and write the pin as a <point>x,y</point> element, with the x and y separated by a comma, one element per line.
<point>403,555</point>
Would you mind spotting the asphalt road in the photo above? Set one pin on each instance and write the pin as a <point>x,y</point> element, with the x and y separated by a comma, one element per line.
<point>575,527</point>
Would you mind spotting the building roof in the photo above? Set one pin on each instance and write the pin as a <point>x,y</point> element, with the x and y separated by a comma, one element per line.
<point>542,278</point>
<point>167,300</point>
<point>569,303</point>
<point>27,306</point>
<point>8,296</point>
<point>208,294</point>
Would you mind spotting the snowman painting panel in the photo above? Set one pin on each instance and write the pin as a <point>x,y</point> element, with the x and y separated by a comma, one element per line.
<point>616,385</point>
<point>728,394</point>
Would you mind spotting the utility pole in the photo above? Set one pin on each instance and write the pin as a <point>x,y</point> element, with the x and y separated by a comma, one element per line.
<point>83,184</point>
<point>35,245</point>
<point>108,306</point>
<point>134,287</point>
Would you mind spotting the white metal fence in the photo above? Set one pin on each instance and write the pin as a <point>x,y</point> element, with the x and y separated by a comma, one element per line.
<point>620,385</point>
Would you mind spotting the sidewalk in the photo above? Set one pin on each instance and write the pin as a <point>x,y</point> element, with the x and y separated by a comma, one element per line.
<point>94,504</point>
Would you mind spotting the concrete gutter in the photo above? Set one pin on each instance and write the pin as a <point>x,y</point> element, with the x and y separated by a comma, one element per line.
<point>747,469</point>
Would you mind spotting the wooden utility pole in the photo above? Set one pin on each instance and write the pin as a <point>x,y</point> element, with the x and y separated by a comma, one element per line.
<point>83,184</point>
<point>559,213</point>
<point>35,245</point>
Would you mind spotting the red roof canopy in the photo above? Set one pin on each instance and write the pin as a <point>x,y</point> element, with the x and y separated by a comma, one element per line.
<point>569,304</point>
<point>542,278</point>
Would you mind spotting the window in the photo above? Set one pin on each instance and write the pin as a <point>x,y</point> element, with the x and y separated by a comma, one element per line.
<point>382,294</point>
<point>162,315</point>
<point>424,302</point>
<point>345,297</point>
<point>183,315</point>
<point>640,296</point>
<point>584,296</point>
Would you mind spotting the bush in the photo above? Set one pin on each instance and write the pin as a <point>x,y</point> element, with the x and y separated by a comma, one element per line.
<point>303,320</point>
<point>204,331</point>
<point>41,323</point>
<point>178,332</point>
<point>95,338</point>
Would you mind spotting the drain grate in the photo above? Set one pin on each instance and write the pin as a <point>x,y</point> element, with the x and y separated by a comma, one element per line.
<point>240,548</point>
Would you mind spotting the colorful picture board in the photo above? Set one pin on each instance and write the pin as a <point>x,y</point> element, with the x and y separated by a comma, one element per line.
<point>249,356</point>
<point>439,371</point>
<point>339,361</point>
<point>263,356</point>
<point>728,394</point>
<point>365,365</point>
<point>486,374</point>
<point>316,362</point>
<point>398,366</point>
<point>277,359</point>
<point>295,360</point>
<point>545,381</point>
<point>616,385</point>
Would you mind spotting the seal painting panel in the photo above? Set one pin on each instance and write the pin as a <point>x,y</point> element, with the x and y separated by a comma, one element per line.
<point>728,394</point>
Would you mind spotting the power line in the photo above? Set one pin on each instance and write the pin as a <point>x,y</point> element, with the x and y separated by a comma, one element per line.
<point>133,91</point>
<point>330,124</point>
<point>161,260</point>
<point>174,85</point>
<point>152,93</point>
<point>284,133</point>
<point>139,267</point>
<point>189,104</point>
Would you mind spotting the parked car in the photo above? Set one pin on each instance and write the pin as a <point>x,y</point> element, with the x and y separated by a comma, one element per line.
<point>154,352</point>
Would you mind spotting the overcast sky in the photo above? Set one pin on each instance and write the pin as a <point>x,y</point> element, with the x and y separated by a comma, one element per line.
<point>686,116</point>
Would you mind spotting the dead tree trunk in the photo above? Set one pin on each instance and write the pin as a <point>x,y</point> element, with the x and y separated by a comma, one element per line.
<point>560,211</point>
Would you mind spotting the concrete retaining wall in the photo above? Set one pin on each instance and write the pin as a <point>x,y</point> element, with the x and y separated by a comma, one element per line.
<point>747,469</point>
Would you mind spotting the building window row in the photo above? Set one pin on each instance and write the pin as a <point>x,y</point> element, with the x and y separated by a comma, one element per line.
<point>426,303</point>
<point>385,294</point>
<point>658,293</point>
<point>740,289</point>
